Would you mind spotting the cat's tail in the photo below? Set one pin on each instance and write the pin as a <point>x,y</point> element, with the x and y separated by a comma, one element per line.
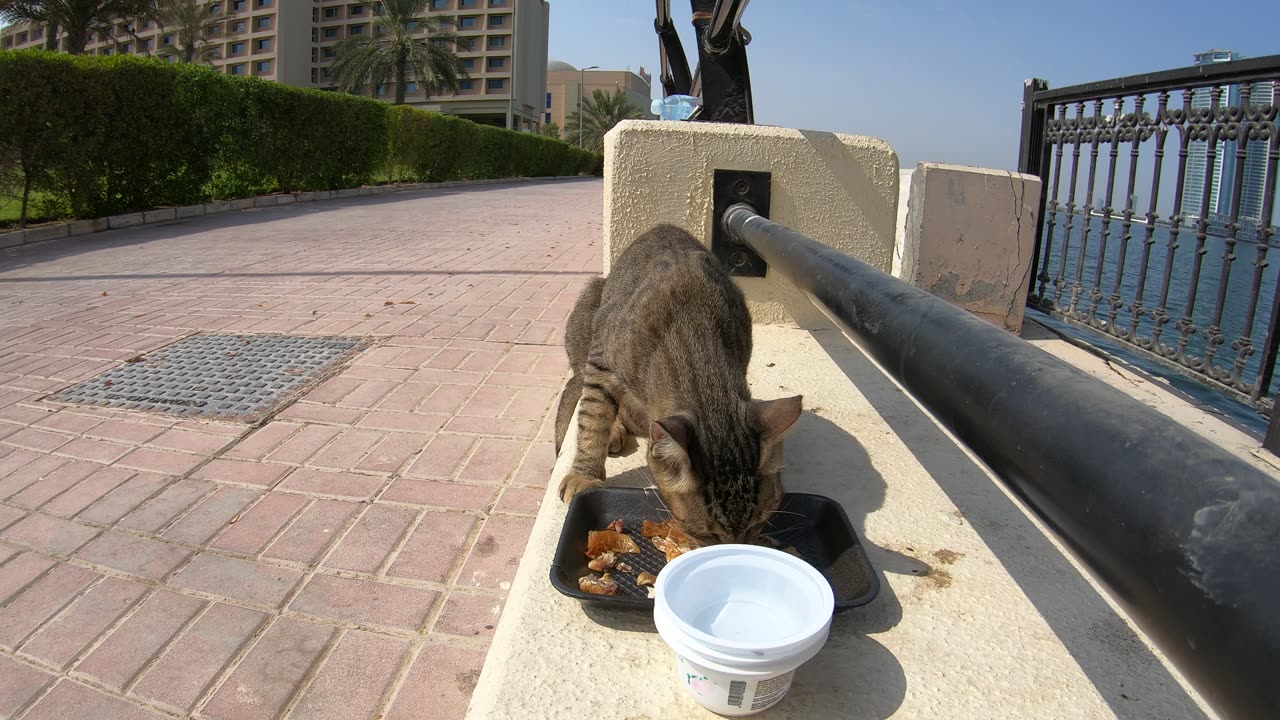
<point>577,343</point>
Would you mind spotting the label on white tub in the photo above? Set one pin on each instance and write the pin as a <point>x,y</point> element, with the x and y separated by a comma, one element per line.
<point>724,693</point>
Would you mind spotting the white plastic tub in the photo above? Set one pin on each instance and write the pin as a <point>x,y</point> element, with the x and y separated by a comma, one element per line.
<point>741,619</point>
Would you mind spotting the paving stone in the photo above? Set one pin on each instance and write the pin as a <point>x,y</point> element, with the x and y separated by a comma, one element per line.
<point>439,685</point>
<point>212,515</point>
<point>314,530</point>
<point>72,700</point>
<point>440,493</point>
<point>195,660</point>
<point>160,510</point>
<point>134,555</point>
<point>435,548</point>
<point>88,491</point>
<point>335,484</point>
<point>19,571</point>
<point>497,552</point>
<point>242,580</point>
<point>352,681</point>
<point>18,684</point>
<point>126,650</point>
<point>263,683</point>
<point>61,640</point>
<point>51,535</point>
<point>468,615</point>
<point>259,525</point>
<point>375,535</point>
<point>22,614</point>
<point>125,498</point>
<point>366,602</point>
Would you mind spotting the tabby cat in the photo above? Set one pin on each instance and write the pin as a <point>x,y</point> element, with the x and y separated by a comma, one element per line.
<point>660,349</point>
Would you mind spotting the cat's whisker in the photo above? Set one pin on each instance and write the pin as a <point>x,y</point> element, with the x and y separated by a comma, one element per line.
<point>785,512</point>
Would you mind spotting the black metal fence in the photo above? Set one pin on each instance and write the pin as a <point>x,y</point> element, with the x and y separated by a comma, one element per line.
<point>1159,204</point>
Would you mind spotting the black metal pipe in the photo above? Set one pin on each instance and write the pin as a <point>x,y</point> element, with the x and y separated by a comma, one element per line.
<point>673,70</point>
<point>1184,533</point>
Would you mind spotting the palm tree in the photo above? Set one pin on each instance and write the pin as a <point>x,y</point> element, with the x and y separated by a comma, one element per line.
<point>397,51</point>
<point>76,17</point>
<point>601,112</point>
<point>189,20</point>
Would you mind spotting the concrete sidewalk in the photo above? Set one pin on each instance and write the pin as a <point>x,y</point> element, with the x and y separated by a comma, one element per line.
<point>349,558</point>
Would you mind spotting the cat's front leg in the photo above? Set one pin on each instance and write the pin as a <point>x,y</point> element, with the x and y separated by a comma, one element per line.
<point>596,414</point>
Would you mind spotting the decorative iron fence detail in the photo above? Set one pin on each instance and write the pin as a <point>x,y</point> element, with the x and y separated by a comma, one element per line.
<point>1158,215</point>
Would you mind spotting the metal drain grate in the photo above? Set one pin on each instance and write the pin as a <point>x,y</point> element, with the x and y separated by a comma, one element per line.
<point>228,377</point>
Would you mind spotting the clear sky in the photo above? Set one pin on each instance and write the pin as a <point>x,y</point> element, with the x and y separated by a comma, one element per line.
<point>940,79</point>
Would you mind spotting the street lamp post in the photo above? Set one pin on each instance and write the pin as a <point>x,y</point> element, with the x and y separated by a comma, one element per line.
<point>581,75</point>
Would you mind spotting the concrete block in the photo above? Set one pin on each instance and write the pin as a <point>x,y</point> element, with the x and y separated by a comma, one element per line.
<point>266,200</point>
<point>286,199</point>
<point>840,190</point>
<point>47,232</point>
<point>217,206</point>
<point>900,224</point>
<point>346,192</point>
<point>189,211</point>
<point>115,222</point>
<point>12,239</point>
<point>970,236</point>
<point>159,215</point>
<point>305,196</point>
<point>84,227</point>
<point>242,203</point>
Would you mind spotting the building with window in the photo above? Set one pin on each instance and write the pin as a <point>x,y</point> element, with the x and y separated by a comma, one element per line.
<point>563,89</point>
<point>1219,180</point>
<point>502,44</point>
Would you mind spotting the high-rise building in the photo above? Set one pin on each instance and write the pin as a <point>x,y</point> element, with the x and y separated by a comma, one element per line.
<point>566,84</point>
<point>1220,185</point>
<point>502,45</point>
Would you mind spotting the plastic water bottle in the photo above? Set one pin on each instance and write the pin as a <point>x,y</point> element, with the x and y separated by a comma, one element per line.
<point>675,107</point>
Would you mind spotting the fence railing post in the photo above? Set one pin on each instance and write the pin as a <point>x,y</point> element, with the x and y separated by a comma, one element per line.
<point>1032,159</point>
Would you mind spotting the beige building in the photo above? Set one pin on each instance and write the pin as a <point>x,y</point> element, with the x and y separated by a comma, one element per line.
<point>503,47</point>
<point>564,89</point>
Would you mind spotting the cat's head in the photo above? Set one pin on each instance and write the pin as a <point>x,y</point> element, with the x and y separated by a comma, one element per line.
<point>723,482</point>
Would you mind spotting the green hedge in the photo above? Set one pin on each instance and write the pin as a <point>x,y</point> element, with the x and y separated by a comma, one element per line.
<point>105,135</point>
<point>432,147</point>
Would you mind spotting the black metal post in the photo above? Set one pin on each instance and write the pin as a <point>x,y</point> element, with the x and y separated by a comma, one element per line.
<point>1184,533</point>
<point>723,71</point>
<point>1033,160</point>
<point>673,65</point>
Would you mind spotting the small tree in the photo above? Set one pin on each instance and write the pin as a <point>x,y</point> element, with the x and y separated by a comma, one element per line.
<point>405,44</point>
<point>30,144</point>
<point>76,17</point>
<point>550,130</point>
<point>600,113</point>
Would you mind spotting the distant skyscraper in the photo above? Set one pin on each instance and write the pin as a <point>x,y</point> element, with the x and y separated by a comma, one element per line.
<point>1221,184</point>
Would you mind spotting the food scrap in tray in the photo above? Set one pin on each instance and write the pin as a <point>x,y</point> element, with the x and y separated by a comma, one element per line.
<point>606,548</point>
<point>602,585</point>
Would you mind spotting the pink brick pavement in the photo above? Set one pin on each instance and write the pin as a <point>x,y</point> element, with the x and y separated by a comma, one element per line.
<point>350,557</point>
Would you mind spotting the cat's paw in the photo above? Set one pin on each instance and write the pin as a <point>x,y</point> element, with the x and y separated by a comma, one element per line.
<point>574,483</point>
<point>620,441</point>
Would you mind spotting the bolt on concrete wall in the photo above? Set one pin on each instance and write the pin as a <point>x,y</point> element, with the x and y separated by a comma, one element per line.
<point>841,190</point>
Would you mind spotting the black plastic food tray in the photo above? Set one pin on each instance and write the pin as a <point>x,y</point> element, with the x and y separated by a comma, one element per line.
<point>816,526</point>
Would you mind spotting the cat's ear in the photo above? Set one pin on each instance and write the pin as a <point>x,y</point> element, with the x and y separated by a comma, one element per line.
<point>772,418</point>
<point>669,439</point>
